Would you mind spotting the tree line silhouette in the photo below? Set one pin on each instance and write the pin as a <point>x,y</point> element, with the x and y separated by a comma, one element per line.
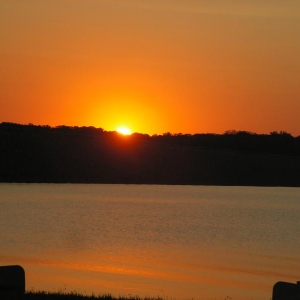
<point>31,153</point>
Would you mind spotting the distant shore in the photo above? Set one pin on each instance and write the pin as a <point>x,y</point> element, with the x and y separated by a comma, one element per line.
<point>42,154</point>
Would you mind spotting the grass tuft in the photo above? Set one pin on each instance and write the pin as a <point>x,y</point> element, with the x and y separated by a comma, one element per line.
<point>62,295</point>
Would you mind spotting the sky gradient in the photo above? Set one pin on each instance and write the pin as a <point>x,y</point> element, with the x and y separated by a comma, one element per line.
<point>192,66</point>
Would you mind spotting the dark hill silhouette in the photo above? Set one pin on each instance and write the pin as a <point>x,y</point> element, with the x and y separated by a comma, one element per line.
<point>30,153</point>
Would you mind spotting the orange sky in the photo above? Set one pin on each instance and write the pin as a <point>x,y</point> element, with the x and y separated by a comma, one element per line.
<point>191,66</point>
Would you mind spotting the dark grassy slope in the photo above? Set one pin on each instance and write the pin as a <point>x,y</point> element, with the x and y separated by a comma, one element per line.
<point>88,155</point>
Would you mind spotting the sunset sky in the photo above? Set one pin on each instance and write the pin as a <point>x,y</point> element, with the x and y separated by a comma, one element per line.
<point>189,66</point>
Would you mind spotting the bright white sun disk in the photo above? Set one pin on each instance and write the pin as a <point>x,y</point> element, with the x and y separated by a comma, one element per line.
<point>124,130</point>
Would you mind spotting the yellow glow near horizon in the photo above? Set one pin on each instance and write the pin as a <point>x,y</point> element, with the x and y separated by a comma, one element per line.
<point>124,130</point>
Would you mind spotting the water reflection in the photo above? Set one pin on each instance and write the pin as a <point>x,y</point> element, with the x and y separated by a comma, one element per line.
<point>206,275</point>
<point>182,242</point>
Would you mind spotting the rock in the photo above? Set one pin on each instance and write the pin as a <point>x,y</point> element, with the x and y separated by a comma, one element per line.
<point>12,282</point>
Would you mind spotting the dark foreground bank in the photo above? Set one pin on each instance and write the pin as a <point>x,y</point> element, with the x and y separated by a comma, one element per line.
<point>42,154</point>
<point>40,295</point>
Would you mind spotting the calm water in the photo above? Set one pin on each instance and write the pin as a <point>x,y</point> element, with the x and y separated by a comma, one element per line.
<point>173,241</point>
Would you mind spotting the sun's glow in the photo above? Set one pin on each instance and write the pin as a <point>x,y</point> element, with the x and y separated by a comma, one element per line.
<point>124,130</point>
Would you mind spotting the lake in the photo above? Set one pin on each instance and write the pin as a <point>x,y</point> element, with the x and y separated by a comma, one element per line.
<point>183,242</point>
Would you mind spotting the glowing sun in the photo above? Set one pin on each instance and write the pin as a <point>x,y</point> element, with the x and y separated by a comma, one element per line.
<point>124,130</point>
